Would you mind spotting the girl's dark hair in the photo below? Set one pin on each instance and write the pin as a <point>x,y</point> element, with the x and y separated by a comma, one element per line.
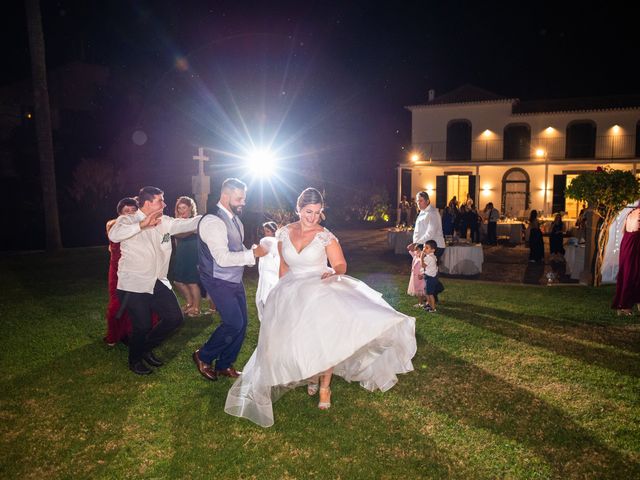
<point>431,243</point>
<point>533,215</point>
<point>273,226</point>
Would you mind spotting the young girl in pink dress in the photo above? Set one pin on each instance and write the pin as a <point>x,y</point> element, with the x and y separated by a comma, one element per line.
<point>416,285</point>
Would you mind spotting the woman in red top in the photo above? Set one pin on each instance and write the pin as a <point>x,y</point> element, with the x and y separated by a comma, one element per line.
<point>628,281</point>
<point>118,329</point>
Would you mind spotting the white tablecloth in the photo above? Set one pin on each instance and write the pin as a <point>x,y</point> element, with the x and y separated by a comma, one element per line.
<point>462,260</point>
<point>512,230</point>
<point>398,241</point>
<point>574,256</point>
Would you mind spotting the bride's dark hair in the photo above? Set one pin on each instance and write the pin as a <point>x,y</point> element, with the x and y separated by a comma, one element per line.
<point>310,196</point>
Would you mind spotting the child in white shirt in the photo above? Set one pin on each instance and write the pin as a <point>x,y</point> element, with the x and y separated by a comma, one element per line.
<point>429,272</point>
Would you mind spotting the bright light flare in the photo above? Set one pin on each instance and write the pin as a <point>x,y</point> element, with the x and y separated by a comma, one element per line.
<point>261,162</point>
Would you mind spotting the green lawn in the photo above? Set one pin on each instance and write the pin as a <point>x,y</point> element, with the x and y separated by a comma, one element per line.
<point>510,382</point>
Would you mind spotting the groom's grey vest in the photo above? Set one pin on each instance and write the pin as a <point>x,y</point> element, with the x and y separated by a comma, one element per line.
<point>206,263</point>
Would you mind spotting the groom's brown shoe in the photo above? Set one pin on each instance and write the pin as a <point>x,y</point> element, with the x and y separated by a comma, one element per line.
<point>204,368</point>
<point>228,372</point>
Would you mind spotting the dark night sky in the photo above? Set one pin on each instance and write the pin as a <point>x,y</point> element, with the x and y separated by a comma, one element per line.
<point>331,77</point>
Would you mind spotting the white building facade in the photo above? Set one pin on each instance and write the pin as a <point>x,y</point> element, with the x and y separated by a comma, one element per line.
<point>517,155</point>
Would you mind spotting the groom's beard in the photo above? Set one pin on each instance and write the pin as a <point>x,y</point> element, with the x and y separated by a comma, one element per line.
<point>236,209</point>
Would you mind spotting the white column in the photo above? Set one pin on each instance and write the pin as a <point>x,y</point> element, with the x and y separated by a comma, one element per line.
<point>546,186</point>
<point>476,200</point>
<point>200,184</point>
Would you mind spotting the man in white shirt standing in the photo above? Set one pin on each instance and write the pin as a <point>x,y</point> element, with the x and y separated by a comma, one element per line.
<point>428,224</point>
<point>145,244</point>
<point>222,257</point>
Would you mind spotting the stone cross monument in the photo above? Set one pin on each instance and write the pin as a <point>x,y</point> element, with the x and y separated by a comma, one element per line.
<point>200,184</point>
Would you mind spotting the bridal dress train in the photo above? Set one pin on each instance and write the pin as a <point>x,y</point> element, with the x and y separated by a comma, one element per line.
<point>310,325</point>
<point>268,271</point>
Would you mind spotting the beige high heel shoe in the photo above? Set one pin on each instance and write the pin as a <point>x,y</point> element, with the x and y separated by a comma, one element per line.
<point>325,405</point>
<point>312,388</point>
<point>313,385</point>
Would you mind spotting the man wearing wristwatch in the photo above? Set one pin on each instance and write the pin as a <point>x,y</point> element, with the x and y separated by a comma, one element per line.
<point>221,261</point>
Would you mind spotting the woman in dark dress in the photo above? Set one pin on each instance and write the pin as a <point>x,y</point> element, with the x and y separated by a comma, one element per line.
<point>536,244</point>
<point>556,236</point>
<point>185,266</point>
<point>628,281</point>
<point>448,219</point>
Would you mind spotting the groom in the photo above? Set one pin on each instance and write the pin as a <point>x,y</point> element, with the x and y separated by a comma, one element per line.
<point>221,261</point>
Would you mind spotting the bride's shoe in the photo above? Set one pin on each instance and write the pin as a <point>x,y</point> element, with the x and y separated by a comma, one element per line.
<point>312,388</point>
<point>325,405</point>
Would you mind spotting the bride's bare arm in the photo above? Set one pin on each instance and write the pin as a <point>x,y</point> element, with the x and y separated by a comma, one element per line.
<point>284,268</point>
<point>336,259</point>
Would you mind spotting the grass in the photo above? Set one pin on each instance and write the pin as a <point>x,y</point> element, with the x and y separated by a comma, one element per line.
<point>509,382</point>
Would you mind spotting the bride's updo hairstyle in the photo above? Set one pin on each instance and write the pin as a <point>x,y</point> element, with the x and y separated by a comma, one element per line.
<point>310,196</point>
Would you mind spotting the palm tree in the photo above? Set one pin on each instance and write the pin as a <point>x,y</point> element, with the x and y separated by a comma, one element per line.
<point>43,126</point>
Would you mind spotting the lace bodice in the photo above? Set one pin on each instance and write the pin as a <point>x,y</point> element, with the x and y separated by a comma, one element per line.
<point>312,258</point>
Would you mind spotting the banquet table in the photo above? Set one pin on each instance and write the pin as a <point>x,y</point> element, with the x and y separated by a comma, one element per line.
<point>399,239</point>
<point>574,256</point>
<point>462,259</point>
<point>513,230</point>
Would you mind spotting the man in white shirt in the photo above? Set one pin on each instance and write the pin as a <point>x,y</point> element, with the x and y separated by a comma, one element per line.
<point>145,244</point>
<point>222,257</point>
<point>428,224</point>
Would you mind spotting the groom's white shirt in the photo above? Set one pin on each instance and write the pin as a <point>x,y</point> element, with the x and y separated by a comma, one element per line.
<point>213,232</point>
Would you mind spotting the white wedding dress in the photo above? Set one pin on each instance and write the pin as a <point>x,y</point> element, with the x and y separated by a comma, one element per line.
<point>310,325</point>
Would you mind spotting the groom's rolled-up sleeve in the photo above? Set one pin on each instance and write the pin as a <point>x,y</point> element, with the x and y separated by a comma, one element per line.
<point>213,232</point>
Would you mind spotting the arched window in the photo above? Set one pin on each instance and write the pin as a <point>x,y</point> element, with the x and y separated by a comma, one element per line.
<point>459,140</point>
<point>517,142</point>
<point>581,139</point>
<point>515,192</point>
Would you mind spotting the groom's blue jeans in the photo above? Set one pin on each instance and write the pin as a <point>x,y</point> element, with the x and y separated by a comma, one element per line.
<point>224,343</point>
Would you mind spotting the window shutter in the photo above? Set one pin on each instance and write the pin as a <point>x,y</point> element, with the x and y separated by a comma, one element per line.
<point>559,186</point>
<point>441,191</point>
<point>472,188</point>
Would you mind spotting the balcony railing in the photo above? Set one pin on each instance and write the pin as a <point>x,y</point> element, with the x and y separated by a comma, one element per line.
<point>606,147</point>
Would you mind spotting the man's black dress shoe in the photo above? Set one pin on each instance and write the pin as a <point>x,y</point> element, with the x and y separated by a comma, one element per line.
<point>140,368</point>
<point>152,360</point>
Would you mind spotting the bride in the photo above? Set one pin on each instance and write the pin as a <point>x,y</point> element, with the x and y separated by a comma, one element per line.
<point>318,322</point>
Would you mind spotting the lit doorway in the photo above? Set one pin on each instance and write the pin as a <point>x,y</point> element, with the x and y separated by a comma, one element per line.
<point>515,193</point>
<point>457,186</point>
